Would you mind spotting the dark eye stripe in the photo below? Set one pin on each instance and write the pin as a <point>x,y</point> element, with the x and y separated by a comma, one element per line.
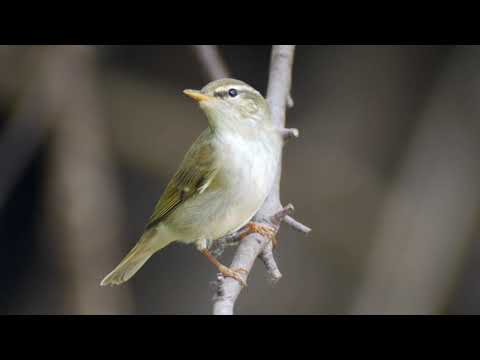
<point>220,94</point>
<point>223,94</point>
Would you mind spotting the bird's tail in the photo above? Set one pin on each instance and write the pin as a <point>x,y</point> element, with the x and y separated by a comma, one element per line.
<point>148,245</point>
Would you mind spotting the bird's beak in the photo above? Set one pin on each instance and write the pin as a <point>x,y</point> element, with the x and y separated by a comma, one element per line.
<point>197,95</point>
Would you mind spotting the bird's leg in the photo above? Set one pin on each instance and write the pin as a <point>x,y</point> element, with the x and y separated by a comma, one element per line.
<point>262,229</point>
<point>226,271</point>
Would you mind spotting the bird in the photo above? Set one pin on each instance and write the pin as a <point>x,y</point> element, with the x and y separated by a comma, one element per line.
<point>222,182</point>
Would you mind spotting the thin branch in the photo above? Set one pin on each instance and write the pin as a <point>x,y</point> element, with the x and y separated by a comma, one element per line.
<point>280,216</point>
<point>289,133</point>
<point>270,264</point>
<point>27,128</point>
<point>290,102</point>
<point>213,64</point>
<point>24,134</point>
<point>271,213</point>
<point>295,225</point>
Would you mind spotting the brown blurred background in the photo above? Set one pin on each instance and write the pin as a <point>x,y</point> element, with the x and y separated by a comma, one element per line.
<point>386,171</point>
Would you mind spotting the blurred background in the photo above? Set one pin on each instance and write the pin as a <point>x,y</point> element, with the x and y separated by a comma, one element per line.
<point>386,172</point>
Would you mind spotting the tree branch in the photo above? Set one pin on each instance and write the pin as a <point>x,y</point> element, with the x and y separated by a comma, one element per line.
<point>213,64</point>
<point>271,213</point>
<point>289,133</point>
<point>27,128</point>
<point>295,225</point>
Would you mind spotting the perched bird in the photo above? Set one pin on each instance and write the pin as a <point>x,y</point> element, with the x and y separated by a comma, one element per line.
<point>222,182</point>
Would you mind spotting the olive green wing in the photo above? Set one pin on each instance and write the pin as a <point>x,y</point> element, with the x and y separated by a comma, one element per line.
<point>195,174</point>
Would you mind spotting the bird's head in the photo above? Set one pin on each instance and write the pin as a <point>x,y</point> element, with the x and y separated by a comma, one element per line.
<point>231,104</point>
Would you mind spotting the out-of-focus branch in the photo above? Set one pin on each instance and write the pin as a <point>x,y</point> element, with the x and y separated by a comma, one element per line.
<point>18,143</point>
<point>25,130</point>
<point>296,225</point>
<point>83,203</point>
<point>213,64</point>
<point>271,213</point>
<point>433,206</point>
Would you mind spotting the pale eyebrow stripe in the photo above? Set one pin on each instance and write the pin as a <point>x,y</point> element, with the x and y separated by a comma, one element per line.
<point>240,88</point>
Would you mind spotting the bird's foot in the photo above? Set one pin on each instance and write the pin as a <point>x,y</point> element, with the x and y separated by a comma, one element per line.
<point>233,273</point>
<point>226,271</point>
<point>268,231</point>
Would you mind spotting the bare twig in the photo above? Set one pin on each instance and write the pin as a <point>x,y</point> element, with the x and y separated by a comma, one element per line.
<point>290,102</point>
<point>289,133</point>
<point>27,128</point>
<point>21,139</point>
<point>213,64</point>
<point>251,247</point>
<point>270,264</point>
<point>295,225</point>
<point>271,213</point>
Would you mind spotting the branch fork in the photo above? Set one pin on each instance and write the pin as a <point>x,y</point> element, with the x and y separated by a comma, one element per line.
<point>235,238</point>
<point>266,254</point>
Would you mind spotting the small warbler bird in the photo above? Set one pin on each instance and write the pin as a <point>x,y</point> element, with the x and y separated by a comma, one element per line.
<point>222,182</point>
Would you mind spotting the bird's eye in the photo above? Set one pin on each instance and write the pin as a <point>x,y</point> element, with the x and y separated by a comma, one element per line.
<point>232,93</point>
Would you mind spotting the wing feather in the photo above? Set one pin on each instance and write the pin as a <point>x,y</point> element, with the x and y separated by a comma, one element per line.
<point>196,173</point>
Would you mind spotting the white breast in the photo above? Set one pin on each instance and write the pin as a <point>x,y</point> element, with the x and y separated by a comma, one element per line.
<point>245,176</point>
<point>248,172</point>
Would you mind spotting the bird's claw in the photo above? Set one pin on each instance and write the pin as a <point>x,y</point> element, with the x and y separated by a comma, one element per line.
<point>268,231</point>
<point>234,273</point>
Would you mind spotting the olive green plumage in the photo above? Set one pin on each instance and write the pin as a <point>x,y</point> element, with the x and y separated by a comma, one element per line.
<point>222,181</point>
<point>195,174</point>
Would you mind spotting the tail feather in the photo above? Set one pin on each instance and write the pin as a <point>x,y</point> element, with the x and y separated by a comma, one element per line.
<point>135,259</point>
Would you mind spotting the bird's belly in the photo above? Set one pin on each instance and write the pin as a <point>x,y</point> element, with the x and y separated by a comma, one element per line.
<point>217,212</point>
<point>237,193</point>
<point>237,211</point>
